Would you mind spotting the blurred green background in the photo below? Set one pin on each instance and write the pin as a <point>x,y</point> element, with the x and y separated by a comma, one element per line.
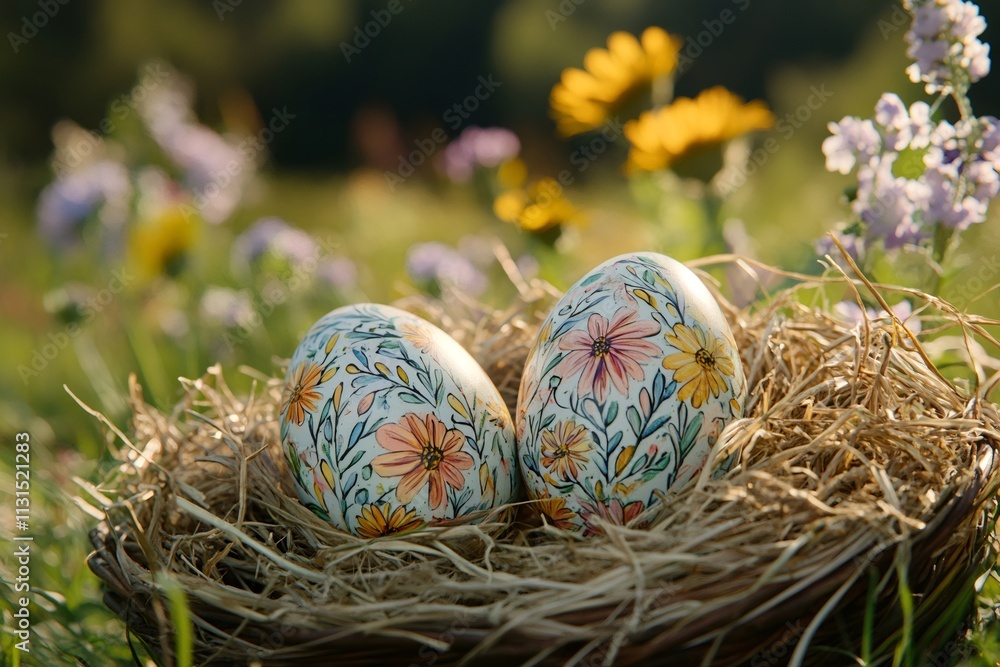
<point>354,117</point>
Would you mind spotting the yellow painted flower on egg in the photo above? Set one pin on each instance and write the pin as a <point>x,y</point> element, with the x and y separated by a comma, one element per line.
<point>497,414</point>
<point>382,520</point>
<point>665,136</point>
<point>564,446</point>
<point>555,512</point>
<point>612,79</point>
<point>158,245</point>
<point>702,365</point>
<point>538,208</point>
<point>420,337</point>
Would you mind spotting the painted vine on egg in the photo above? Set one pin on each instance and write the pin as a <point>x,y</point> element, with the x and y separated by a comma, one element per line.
<point>417,451</point>
<point>593,354</point>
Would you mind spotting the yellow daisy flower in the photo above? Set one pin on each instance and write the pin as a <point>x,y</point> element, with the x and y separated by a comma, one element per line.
<point>662,137</point>
<point>612,79</point>
<point>159,245</point>
<point>702,365</point>
<point>539,207</point>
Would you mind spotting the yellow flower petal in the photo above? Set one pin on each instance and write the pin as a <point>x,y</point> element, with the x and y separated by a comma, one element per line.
<point>662,137</point>
<point>585,99</point>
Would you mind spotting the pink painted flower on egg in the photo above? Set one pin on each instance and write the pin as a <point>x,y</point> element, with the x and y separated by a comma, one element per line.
<point>606,352</point>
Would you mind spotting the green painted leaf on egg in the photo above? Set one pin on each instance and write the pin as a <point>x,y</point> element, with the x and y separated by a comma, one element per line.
<point>690,436</point>
<point>357,457</point>
<point>361,497</point>
<point>409,397</point>
<point>634,420</point>
<point>614,441</point>
<point>356,434</point>
<point>653,426</point>
<point>638,464</point>
<point>552,364</point>
<point>612,412</point>
<point>293,460</point>
<point>366,473</point>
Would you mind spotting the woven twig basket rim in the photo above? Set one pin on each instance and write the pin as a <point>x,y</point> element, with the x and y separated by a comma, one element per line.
<point>962,509</point>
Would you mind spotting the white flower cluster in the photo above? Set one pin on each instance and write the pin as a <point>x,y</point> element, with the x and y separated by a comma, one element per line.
<point>915,173</point>
<point>944,45</point>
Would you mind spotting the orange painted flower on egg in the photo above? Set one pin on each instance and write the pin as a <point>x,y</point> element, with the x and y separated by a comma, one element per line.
<point>608,353</point>
<point>665,136</point>
<point>702,365</point>
<point>555,512</point>
<point>382,520</point>
<point>613,79</point>
<point>423,451</point>
<point>300,395</point>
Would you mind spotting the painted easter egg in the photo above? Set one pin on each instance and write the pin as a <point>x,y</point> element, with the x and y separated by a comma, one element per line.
<point>389,424</point>
<point>633,375</point>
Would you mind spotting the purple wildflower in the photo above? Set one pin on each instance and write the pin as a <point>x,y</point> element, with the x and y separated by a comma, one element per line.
<point>227,307</point>
<point>102,188</point>
<point>852,140</point>
<point>215,169</point>
<point>945,46</point>
<point>338,272</point>
<point>443,264</point>
<point>479,147</point>
<point>275,237</point>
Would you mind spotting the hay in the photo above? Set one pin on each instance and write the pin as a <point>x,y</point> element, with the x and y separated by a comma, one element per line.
<point>860,515</point>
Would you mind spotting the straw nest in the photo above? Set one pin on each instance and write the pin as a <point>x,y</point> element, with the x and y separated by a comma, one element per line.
<point>857,522</point>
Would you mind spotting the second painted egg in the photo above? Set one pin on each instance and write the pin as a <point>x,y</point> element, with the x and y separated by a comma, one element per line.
<point>633,376</point>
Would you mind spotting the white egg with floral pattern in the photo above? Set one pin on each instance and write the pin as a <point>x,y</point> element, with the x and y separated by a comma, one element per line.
<point>389,424</point>
<point>631,379</point>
